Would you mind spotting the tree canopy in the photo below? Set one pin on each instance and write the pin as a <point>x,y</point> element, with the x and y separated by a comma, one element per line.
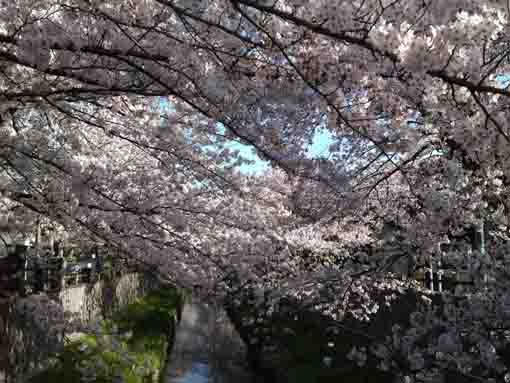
<point>116,118</point>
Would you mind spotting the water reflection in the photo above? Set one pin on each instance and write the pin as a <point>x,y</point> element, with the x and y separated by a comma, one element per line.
<point>207,349</point>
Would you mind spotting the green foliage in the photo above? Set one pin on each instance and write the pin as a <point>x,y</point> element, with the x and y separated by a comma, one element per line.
<point>132,345</point>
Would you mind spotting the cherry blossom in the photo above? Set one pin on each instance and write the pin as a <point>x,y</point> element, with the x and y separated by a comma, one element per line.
<point>116,120</point>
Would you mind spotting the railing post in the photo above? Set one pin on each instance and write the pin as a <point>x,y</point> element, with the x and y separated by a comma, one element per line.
<point>481,229</point>
<point>38,237</point>
<point>440,278</point>
<point>431,273</point>
<point>439,268</point>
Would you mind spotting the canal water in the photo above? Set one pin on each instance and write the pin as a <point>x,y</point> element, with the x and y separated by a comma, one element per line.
<point>206,348</point>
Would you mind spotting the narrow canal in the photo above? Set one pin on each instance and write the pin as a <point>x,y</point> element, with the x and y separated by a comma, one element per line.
<point>206,348</point>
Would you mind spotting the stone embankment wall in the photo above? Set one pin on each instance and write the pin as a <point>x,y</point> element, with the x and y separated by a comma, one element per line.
<point>31,328</point>
<point>104,296</point>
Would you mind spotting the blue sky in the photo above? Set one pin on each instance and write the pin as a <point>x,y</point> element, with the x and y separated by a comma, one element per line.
<point>319,147</point>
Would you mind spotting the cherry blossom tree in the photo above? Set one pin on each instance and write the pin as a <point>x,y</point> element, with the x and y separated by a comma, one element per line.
<point>412,92</point>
